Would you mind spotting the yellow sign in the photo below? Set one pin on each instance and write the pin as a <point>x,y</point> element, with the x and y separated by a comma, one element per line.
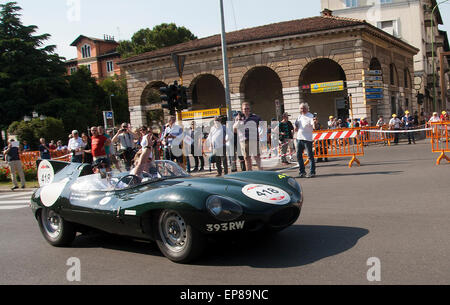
<point>327,87</point>
<point>197,114</point>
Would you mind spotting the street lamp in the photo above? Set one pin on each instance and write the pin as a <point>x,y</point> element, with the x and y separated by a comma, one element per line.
<point>432,54</point>
<point>110,104</point>
<point>26,118</point>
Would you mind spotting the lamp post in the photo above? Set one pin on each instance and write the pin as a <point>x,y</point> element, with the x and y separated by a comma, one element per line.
<point>432,53</point>
<point>225,62</point>
<point>111,108</point>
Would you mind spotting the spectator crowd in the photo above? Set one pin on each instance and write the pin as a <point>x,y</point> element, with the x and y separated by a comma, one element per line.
<point>243,138</point>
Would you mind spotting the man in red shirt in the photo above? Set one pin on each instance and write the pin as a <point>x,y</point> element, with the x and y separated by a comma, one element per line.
<point>98,143</point>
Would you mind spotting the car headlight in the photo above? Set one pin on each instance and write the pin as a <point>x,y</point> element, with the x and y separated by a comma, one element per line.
<point>222,208</point>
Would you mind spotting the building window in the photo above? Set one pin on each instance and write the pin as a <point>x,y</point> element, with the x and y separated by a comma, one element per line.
<point>73,70</point>
<point>86,51</point>
<point>390,27</point>
<point>391,74</point>
<point>351,3</point>
<point>109,66</point>
<point>405,73</point>
<point>89,67</point>
<point>385,1</point>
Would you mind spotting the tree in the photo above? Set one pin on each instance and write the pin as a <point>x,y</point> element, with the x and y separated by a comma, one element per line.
<point>49,129</point>
<point>83,104</point>
<point>160,36</point>
<point>117,86</point>
<point>30,73</point>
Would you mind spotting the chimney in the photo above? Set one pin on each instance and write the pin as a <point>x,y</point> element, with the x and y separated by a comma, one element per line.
<point>326,13</point>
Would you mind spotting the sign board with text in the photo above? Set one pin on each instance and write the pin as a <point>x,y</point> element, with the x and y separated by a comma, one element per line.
<point>327,87</point>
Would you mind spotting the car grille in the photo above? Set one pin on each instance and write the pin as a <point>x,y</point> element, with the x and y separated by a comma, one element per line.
<point>284,217</point>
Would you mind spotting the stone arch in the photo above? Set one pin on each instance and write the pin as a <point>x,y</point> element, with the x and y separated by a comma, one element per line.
<point>207,91</point>
<point>324,104</point>
<point>261,86</point>
<point>374,64</point>
<point>150,92</point>
<point>151,105</point>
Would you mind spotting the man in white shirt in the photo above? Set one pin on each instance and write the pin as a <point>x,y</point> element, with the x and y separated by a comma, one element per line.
<point>75,146</point>
<point>304,126</point>
<point>217,140</point>
<point>394,124</point>
<point>172,136</point>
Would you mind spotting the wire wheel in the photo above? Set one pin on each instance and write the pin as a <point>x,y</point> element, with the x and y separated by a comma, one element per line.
<point>173,231</point>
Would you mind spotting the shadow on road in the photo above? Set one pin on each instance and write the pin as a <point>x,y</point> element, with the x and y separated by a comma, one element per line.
<point>115,242</point>
<point>295,246</point>
<point>360,174</point>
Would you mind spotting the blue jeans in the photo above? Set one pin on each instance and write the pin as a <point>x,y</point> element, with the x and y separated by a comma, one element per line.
<point>301,145</point>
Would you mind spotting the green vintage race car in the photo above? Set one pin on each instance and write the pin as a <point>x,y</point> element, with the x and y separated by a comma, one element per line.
<point>167,205</point>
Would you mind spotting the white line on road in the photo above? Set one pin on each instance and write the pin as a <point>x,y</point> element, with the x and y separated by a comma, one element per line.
<point>15,201</point>
<point>12,207</point>
<point>21,194</point>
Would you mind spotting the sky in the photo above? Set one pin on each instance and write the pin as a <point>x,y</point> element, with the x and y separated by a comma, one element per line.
<point>65,20</point>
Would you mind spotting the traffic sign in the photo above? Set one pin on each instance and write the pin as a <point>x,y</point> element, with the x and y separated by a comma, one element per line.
<point>374,90</point>
<point>109,114</point>
<point>372,78</point>
<point>374,96</point>
<point>375,72</point>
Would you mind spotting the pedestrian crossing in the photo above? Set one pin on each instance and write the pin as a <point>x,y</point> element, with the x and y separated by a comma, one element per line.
<point>15,200</point>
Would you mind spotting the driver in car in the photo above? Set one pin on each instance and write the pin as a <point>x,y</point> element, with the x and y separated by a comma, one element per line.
<point>144,167</point>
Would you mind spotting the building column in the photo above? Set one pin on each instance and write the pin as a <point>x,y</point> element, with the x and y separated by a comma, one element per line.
<point>137,116</point>
<point>236,100</point>
<point>291,99</point>
<point>360,109</point>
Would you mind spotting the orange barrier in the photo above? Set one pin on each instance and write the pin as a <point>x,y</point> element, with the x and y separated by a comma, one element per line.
<point>429,133</point>
<point>28,158</point>
<point>376,137</point>
<point>440,139</point>
<point>60,155</point>
<point>345,142</point>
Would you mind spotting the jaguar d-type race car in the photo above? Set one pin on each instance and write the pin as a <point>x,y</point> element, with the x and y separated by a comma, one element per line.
<point>168,205</point>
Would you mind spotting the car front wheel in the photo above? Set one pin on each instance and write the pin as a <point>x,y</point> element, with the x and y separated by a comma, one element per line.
<point>55,229</point>
<point>176,239</point>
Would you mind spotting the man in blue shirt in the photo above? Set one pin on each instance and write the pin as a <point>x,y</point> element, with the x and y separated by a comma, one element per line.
<point>408,122</point>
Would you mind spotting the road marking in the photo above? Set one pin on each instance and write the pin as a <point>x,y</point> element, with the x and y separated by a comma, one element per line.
<point>12,207</point>
<point>22,194</point>
<point>14,201</point>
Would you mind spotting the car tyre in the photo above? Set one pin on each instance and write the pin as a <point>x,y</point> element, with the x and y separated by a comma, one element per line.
<point>57,231</point>
<point>178,240</point>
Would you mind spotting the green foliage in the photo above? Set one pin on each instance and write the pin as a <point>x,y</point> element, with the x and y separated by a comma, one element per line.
<point>30,73</point>
<point>160,36</point>
<point>117,86</point>
<point>31,131</point>
<point>32,78</point>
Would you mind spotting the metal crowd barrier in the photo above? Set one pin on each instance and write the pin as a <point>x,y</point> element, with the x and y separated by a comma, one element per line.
<point>439,139</point>
<point>376,137</point>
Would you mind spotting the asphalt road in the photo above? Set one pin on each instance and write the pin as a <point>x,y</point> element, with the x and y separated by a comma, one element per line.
<point>395,207</point>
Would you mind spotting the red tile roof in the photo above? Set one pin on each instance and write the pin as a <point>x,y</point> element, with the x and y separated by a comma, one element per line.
<point>286,28</point>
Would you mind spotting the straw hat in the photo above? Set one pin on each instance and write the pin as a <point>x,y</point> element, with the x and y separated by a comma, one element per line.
<point>394,115</point>
<point>330,117</point>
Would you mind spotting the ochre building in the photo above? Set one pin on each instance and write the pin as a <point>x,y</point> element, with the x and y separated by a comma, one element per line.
<point>279,64</point>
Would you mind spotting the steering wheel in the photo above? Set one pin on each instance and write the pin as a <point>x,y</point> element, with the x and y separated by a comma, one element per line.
<point>129,180</point>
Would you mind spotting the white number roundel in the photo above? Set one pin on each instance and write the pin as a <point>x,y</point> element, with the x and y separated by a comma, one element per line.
<point>45,173</point>
<point>266,193</point>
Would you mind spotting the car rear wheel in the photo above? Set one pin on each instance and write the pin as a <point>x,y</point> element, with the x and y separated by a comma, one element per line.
<point>176,239</point>
<point>55,229</point>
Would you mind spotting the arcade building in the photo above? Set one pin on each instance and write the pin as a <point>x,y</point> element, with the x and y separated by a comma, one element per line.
<point>320,60</point>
